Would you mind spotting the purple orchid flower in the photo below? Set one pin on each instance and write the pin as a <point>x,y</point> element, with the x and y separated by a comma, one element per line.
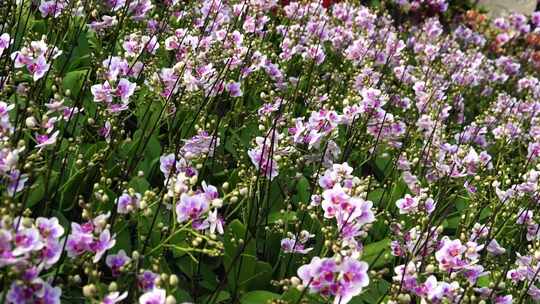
<point>191,207</point>
<point>125,89</point>
<point>27,240</point>
<point>154,296</point>
<point>38,67</point>
<point>127,203</point>
<point>234,89</point>
<point>117,261</point>
<point>104,243</point>
<point>147,280</point>
<point>102,92</point>
<point>49,228</point>
<point>114,297</point>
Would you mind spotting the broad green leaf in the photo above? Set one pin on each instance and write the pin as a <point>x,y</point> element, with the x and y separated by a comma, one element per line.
<point>483,281</point>
<point>376,290</point>
<point>37,191</point>
<point>222,297</point>
<point>286,217</point>
<point>302,187</point>
<point>239,260</point>
<point>72,188</point>
<point>123,240</point>
<point>198,271</point>
<point>261,277</point>
<point>293,295</point>
<point>73,81</point>
<point>140,184</point>
<point>382,166</point>
<point>377,254</point>
<point>258,297</point>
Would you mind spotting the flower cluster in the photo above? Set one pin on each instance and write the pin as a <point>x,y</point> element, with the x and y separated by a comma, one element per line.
<point>165,151</point>
<point>34,57</point>
<point>91,237</point>
<point>27,248</point>
<point>328,277</point>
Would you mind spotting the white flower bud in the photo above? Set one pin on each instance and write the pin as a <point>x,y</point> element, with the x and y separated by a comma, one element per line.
<point>89,290</point>
<point>173,280</point>
<point>31,122</point>
<point>170,300</point>
<point>295,281</point>
<point>244,191</point>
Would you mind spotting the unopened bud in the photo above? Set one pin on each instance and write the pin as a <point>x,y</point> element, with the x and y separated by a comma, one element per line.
<point>170,300</point>
<point>89,290</point>
<point>173,280</point>
<point>31,122</point>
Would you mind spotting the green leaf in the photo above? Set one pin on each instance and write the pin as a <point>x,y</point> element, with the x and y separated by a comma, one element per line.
<point>72,188</point>
<point>258,297</point>
<point>261,277</point>
<point>286,217</point>
<point>377,254</point>
<point>123,241</point>
<point>461,203</point>
<point>140,184</point>
<point>382,166</point>
<point>452,222</point>
<point>74,81</point>
<point>483,281</point>
<point>239,260</point>
<point>182,295</point>
<point>302,187</point>
<point>199,271</point>
<point>485,213</point>
<point>376,195</point>
<point>373,293</point>
<point>293,295</point>
<point>222,297</point>
<point>39,26</point>
<point>152,153</point>
<point>80,57</point>
<point>37,191</point>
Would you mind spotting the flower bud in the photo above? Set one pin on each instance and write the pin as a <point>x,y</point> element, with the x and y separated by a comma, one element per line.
<point>173,280</point>
<point>244,191</point>
<point>89,290</point>
<point>31,122</point>
<point>295,281</point>
<point>404,298</point>
<point>170,300</point>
